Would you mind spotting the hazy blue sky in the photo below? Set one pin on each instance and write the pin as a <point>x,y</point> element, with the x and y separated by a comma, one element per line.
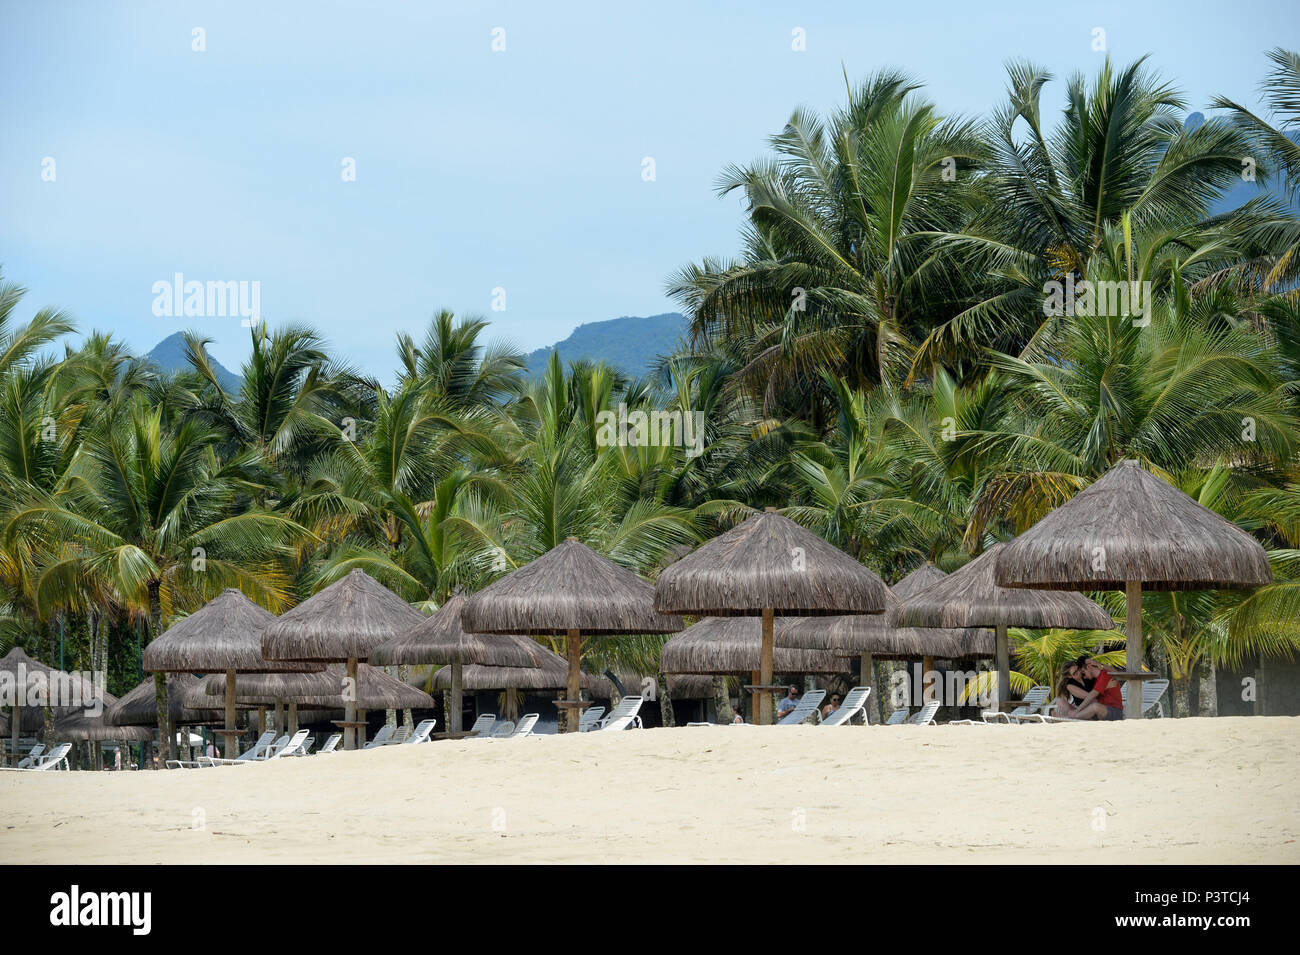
<point>475,169</point>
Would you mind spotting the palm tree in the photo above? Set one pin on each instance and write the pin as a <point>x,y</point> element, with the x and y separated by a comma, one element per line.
<point>161,522</point>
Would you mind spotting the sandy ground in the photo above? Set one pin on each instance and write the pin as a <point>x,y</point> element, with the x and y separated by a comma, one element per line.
<point>1191,791</point>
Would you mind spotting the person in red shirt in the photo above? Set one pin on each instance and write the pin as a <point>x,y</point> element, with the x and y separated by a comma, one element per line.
<point>1103,701</point>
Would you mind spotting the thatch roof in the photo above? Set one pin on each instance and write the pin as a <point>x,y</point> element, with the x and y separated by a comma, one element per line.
<point>139,706</point>
<point>79,726</point>
<point>872,633</point>
<point>223,634</point>
<point>1131,525</point>
<point>344,620</point>
<point>441,639</point>
<point>18,666</point>
<point>473,678</point>
<point>569,587</point>
<point>376,690</point>
<point>968,597</point>
<point>768,561</point>
<point>722,645</point>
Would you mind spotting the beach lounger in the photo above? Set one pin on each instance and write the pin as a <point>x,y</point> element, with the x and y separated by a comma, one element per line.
<point>263,741</point>
<point>898,717</point>
<point>503,729</point>
<point>400,735</point>
<point>32,756</point>
<point>1031,707</point>
<point>525,727</point>
<point>1152,691</point>
<point>855,701</point>
<point>331,744</point>
<point>46,761</point>
<point>421,733</point>
<point>808,706</point>
<point>381,738</point>
<point>482,727</point>
<point>623,716</point>
<point>925,715</point>
<point>288,748</point>
<point>590,717</point>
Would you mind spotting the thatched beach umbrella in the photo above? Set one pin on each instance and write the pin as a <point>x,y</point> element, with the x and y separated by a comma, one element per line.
<point>969,597</point>
<point>341,623</point>
<point>373,689</point>
<point>570,590</point>
<point>79,726</point>
<point>870,636</point>
<point>139,707</point>
<point>1130,531</point>
<point>768,566</point>
<point>42,687</point>
<point>442,639</point>
<point>722,646</point>
<point>224,635</point>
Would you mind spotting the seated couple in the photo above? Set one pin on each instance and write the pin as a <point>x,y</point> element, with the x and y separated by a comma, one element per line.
<point>1087,691</point>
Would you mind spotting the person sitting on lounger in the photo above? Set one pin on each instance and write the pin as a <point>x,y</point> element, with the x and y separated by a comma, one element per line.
<point>788,702</point>
<point>1070,689</point>
<point>831,707</point>
<point>1103,701</point>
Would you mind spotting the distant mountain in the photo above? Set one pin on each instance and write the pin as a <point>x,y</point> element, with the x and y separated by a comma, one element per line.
<point>169,355</point>
<point>630,344</point>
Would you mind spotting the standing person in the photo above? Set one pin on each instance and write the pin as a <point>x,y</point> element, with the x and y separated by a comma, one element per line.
<point>1104,701</point>
<point>788,702</point>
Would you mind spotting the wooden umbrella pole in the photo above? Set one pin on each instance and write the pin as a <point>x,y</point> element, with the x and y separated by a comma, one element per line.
<point>573,647</point>
<point>1002,649</point>
<point>765,669</point>
<point>293,718</point>
<point>350,706</point>
<point>457,703</point>
<point>231,740</point>
<point>1133,648</point>
<point>868,678</point>
<point>927,679</point>
<point>279,717</point>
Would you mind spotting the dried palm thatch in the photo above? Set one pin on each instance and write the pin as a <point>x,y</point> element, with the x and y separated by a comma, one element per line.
<point>570,587</point>
<point>139,706</point>
<point>475,678</point>
<point>442,639</point>
<point>1129,525</point>
<point>969,597</point>
<point>769,562</point>
<point>375,690</point>
<point>723,645</point>
<point>79,726</point>
<point>872,634</point>
<point>224,634</point>
<point>43,683</point>
<point>340,622</point>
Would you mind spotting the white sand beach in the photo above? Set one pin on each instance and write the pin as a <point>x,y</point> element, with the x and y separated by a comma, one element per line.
<point>1223,790</point>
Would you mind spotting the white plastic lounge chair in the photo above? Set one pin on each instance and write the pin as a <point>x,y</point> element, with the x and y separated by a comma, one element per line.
<point>47,761</point>
<point>898,717</point>
<point>855,701</point>
<point>1152,691</point>
<point>503,729</point>
<point>400,735</point>
<point>590,717</point>
<point>925,716</point>
<point>623,716</point>
<point>265,740</point>
<point>53,759</point>
<point>525,727</point>
<point>331,744</point>
<point>381,738</point>
<point>807,707</point>
<point>1030,708</point>
<point>420,733</point>
<point>32,756</point>
<point>482,727</point>
<point>288,748</point>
